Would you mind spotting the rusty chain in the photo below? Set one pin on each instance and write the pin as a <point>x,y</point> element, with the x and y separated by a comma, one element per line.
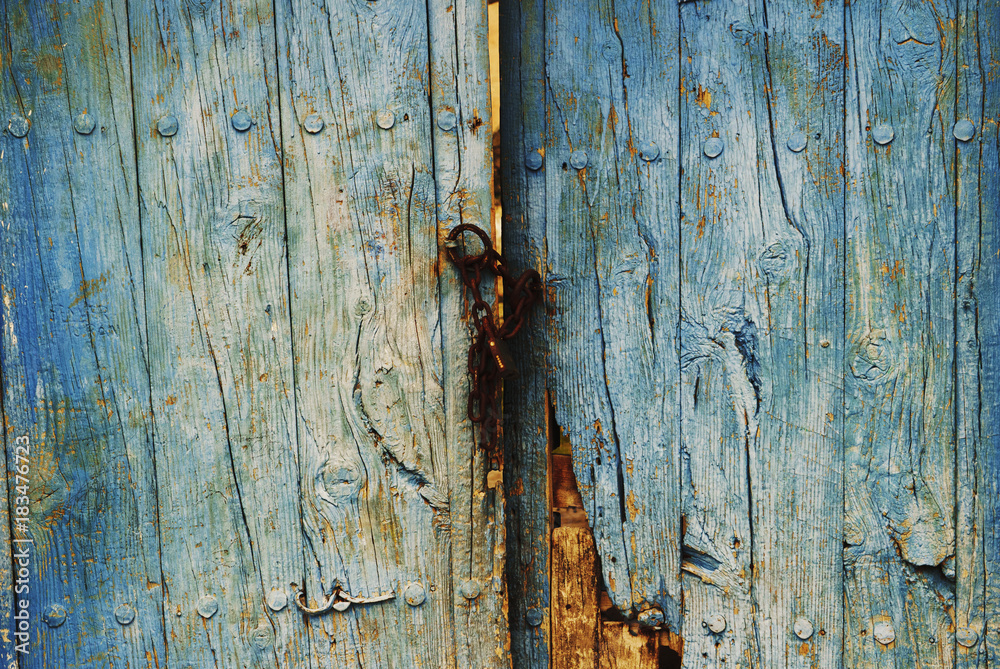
<point>489,360</point>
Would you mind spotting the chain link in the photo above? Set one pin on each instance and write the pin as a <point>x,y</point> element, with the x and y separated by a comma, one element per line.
<point>489,360</point>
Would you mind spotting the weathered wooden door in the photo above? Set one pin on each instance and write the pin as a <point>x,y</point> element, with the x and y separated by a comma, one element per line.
<point>769,235</point>
<point>233,350</point>
<point>233,355</point>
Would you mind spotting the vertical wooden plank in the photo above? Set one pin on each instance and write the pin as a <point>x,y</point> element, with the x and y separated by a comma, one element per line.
<point>899,389</point>
<point>611,216</point>
<point>210,184</point>
<point>987,284</point>
<point>526,398</point>
<point>376,332</point>
<point>738,249</point>
<point>976,569</point>
<point>74,364</point>
<point>797,469</point>
<point>575,599</point>
<point>621,649</point>
<point>462,135</point>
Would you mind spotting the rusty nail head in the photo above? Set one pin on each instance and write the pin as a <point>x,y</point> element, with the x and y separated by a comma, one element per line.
<point>884,632</point>
<point>797,142</point>
<point>964,130</point>
<point>714,147</point>
<point>18,125</point>
<point>470,589</point>
<point>715,623</point>
<point>277,599</point>
<point>241,121</point>
<point>208,606</point>
<point>414,594</point>
<point>578,159</point>
<point>533,161</point>
<point>803,628</point>
<point>966,637</point>
<point>313,123</point>
<point>167,126</point>
<point>651,617</point>
<point>533,617</point>
<point>883,134</point>
<point>84,123</point>
<point>385,119</point>
<point>55,615</point>
<point>124,614</point>
<point>447,120</point>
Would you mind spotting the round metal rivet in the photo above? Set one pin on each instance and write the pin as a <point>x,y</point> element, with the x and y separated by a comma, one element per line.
<point>803,628</point>
<point>18,125</point>
<point>385,119</point>
<point>651,617</point>
<point>884,632</point>
<point>714,147</point>
<point>447,120</point>
<point>966,637</point>
<point>964,130</point>
<point>470,589</point>
<point>124,614</point>
<point>261,638</point>
<point>883,134</point>
<point>578,159</point>
<point>716,623</point>
<point>313,123</point>
<point>167,126</point>
<point>414,594</point>
<point>797,142</point>
<point>241,121</point>
<point>208,606</point>
<point>341,605</point>
<point>277,599</point>
<point>533,617</point>
<point>649,151</point>
<point>84,123</point>
<point>533,161</point>
<point>55,615</point>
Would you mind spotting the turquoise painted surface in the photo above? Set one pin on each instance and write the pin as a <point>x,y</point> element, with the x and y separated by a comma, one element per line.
<point>818,327</point>
<point>231,334</point>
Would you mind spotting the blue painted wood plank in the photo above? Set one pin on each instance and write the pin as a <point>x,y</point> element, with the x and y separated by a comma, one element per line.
<point>899,371</point>
<point>375,318</point>
<point>210,185</point>
<point>612,226</point>
<point>73,358</point>
<point>797,468</point>
<point>976,568</point>
<point>462,136</point>
<point>527,428</point>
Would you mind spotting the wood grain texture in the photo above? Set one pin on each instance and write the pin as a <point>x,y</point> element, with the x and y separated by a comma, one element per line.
<point>797,470</point>
<point>527,428</point>
<point>219,338</point>
<point>623,649</point>
<point>74,361</point>
<point>736,243</point>
<point>899,388</point>
<point>575,599</point>
<point>611,225</point>
<point>462,138</point>
<point>392,496</point>
<point>976,568</point>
